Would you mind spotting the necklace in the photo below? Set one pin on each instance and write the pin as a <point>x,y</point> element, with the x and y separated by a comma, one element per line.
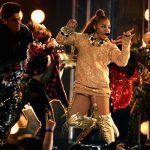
<point>96,42</point>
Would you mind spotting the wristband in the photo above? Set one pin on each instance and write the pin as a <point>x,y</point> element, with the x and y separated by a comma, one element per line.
<point>49,130</point>
<point>66,31</point>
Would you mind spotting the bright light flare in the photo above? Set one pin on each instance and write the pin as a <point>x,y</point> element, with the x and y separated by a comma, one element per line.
<point>37,16</point>
<point>21,14</point>
<point>14,129</point>
<point>147,14</point>
<point>144,127</point>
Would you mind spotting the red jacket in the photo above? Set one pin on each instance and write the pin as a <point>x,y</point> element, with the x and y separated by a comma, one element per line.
<point>121,86</point>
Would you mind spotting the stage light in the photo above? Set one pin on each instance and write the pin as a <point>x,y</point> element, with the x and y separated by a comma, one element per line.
<point>14,129</point>
<point>38,16</point>
<point>144,127</point>
<point>21,14</point>
<point>143,43</point>
<point>147,14</point>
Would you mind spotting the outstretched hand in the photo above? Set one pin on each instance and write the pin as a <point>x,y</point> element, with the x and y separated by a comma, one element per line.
<point>129,33</point>
<point>72,23</point>
<point>50,123</point>
<point>118,40</point>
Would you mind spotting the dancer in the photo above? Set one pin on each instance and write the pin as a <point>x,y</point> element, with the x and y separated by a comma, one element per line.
<point>91,89</point>
<point>54,87</point>
<point>140,104</point>
<point>122,80</point>
<point>14,40</point>
<point>43,70</point>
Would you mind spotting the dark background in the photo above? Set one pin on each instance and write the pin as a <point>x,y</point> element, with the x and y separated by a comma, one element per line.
<point>124,15</point>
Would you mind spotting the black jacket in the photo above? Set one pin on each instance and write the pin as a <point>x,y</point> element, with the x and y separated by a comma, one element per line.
<point>13,46</point>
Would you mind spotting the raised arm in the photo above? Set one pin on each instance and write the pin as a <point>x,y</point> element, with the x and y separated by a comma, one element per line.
<point>121,57</point>
<point>66,35</point>
<point>49,134</point>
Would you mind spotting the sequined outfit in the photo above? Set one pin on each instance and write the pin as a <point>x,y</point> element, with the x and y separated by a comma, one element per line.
<point>92,73</point>
<point>12,54</point>
<point>10,95</point>
<point>121,86</point>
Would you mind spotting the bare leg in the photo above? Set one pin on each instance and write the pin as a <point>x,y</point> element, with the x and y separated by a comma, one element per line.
<point>77,113</point>
<point>102,104</point>
<point>80,103</point>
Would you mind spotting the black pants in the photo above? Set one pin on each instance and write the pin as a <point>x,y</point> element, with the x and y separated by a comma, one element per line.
<point>10,109</point>
<point>121,118</point>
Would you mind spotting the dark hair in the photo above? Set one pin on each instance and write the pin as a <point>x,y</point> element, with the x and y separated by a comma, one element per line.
<point>33,26</point>
<point>99,16</point>
<point>146,147</point>
<point>8,9</point>
<point>11,144</point>
<point>28,143</point>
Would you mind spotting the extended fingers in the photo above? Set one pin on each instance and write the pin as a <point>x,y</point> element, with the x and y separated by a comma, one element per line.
<point>131,30</point>
<point>129,33</point>
<point>72,23</point>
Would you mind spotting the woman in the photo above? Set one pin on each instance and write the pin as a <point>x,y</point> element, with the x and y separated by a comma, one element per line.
<point>91,89</point>
<point>140,104</point>
<point>54,87</point>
